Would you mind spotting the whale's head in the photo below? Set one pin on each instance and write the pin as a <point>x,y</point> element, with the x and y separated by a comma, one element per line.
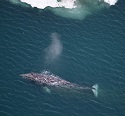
<point>30,76</point>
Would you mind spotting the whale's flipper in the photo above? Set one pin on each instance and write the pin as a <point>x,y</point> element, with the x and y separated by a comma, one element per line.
<point>95,90</point>
<point>46,89</point>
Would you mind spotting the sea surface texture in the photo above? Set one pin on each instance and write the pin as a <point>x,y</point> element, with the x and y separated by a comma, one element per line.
<point>85,52</point>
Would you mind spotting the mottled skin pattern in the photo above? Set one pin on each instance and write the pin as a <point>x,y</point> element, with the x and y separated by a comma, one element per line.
<point>46,79</point>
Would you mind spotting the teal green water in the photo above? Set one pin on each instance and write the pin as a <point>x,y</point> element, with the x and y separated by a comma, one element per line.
<point>93,52</point>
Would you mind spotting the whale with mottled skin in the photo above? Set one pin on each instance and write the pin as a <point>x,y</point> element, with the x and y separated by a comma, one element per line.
<point>46,79</point>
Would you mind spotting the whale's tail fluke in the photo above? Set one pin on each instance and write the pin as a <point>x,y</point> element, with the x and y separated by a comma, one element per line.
<point>95,90</point>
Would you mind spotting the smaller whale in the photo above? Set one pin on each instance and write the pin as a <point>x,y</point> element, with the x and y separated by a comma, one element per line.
<point>47,79</point>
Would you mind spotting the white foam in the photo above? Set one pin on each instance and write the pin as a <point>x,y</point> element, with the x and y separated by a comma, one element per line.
<point>75,9</point>
<point>63,3</point>
<point>111,2</point>
<point>52,3</point>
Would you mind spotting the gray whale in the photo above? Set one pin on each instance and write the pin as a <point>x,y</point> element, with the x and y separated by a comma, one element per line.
<point>48,79</point>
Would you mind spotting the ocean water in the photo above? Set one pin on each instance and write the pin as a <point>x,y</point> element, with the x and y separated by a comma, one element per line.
<point>93,51</point>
